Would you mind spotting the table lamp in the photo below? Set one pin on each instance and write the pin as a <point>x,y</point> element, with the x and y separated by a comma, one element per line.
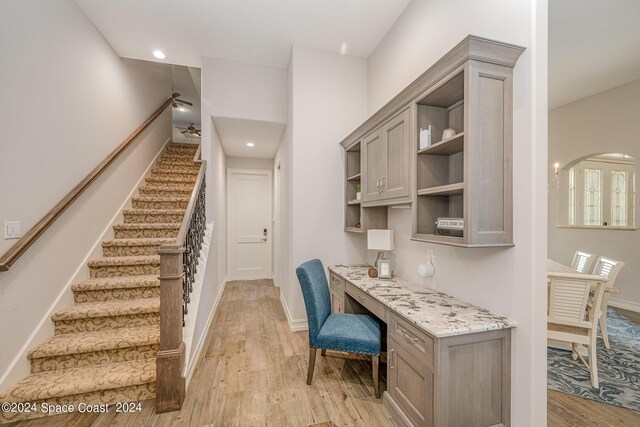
<point>381,241</point>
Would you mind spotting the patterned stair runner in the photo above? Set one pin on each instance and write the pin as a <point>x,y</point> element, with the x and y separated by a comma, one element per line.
<point>105,345</point>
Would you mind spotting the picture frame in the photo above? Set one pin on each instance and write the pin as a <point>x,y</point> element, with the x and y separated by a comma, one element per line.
<point>384,269</point>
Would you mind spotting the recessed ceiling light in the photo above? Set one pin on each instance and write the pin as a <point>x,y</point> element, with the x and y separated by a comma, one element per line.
<point>250,144</point>
<point>182,109</point>
<point>159,54</point>
<point>343,48</point>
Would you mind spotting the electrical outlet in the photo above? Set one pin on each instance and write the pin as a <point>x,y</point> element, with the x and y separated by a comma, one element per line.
<point>12,229</point>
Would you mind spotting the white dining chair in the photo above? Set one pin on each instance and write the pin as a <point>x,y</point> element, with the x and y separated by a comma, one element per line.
<point>569,321</point>
<point>583,261</point>
<point>608,268</point>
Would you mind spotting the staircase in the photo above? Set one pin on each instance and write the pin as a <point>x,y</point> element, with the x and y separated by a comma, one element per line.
<point>105,345</point>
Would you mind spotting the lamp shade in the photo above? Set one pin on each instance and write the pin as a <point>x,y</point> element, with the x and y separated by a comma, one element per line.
<point>380,240</point>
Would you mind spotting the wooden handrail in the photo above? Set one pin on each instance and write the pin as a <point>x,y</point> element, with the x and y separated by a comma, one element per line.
<point>21,246</point>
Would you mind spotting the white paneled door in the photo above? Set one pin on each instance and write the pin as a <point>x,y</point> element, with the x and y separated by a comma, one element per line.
<point>249,224</point>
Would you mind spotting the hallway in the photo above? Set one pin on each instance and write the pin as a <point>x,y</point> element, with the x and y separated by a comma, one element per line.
<point>252,373</point>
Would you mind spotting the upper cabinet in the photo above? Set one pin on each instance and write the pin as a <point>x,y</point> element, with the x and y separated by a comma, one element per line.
<point>459,181</point>
<point>387,160</point>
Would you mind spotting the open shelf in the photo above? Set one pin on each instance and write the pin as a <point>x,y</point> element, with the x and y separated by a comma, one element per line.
<point>354,230</point>
<point>355,177</point>
<point>354,202</point>
<point>443,190</point>
<point>452,145</point>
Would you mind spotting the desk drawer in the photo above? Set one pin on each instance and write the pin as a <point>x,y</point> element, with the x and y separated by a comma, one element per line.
<point>416,342</point>
<point>336,282</point>
<point>370,303</point>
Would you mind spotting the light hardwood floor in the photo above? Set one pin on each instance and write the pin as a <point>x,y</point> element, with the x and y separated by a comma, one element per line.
<point>253,369</point>
<point>569,410</point>
<point>253,372</point>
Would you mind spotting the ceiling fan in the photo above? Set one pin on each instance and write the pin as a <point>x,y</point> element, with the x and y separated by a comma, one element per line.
<point>176,102</point>
<point>191,130</point>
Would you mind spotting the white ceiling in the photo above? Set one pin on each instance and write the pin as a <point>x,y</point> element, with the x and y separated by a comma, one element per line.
<point>235,133</point>
<point>594,45</point>
<point>253,31</point>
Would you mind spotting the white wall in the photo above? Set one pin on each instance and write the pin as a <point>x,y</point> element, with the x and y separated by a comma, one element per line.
<point>216,202</point>
<point>67,101</point>
<point>603,123</point>
<point>249,163</point>
<point>328,94</point>
<point>235,90</point>
<point>507,281</point>
<point>282,243</point>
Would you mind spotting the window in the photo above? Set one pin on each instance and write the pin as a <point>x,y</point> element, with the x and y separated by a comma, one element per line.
<point>601,191</point>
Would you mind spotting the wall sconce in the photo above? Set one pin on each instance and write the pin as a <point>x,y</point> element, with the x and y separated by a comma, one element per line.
<point>556,177</point>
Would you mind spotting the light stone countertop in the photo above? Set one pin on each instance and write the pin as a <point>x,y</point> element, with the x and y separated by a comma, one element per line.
<point>436,313</point>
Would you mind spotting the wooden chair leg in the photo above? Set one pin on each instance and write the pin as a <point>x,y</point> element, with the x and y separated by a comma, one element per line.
<point>376,388</point>
<point>603,327</point>
<point>574,351</point>
<point>323,352</point>
<point>312,363</point>
<point>593,361</point>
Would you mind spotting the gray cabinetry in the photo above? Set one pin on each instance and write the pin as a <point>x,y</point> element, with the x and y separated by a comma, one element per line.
<point>409,385</point>
<point>374,162</point>
<point>387,162</point>
<point>465,175</point>
<point>336,291</point>
<point>359,219</point>
<point>453,381</point>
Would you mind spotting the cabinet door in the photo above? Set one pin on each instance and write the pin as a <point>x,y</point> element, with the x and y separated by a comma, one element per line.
<point>410,385</point>
<point>336,302</point>
<point>396,135</point>
<point>374,161</point>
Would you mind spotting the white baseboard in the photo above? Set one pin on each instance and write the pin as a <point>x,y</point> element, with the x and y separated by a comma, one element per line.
<point>626,305</point>
<point>197,351</point>
<point>296,325</point>
<point>20,366</point>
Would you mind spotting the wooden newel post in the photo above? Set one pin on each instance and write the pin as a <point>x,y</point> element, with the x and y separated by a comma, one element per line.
<point>170,381</point>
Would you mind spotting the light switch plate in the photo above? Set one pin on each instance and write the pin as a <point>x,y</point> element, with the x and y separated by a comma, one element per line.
<point>12,229</point>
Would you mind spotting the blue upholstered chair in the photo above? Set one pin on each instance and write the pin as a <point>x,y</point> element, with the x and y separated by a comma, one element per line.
<point>352,333</point>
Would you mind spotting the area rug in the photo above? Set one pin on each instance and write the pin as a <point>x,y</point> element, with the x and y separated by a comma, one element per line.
<point>618,367</point>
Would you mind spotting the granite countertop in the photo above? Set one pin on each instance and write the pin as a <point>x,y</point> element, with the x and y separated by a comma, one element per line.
<point>437,313</point>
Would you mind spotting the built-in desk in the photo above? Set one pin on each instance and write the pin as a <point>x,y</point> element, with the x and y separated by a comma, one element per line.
<point>448,362</point>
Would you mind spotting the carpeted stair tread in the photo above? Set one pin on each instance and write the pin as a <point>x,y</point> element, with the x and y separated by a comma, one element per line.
<point>124,260</point>
<point>163,179</point>
<point>168,168</point>
<point>176,198</point>
<point>175,162</point>
<point>143,241</point>
<point>169,186</point>
<point>179,201</point>
<point>150,225</point>
<point>176,170</point>
<point>164,190</point>
<point>74,381</point>
<point>146,230</point>
<point>155,226</point>
<point>86,342</point>
<point>111,308</point>
<point>124,282</point>
<point>139,211</point>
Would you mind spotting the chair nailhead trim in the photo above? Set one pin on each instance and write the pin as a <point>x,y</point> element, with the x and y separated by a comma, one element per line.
<point>344,351</point>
